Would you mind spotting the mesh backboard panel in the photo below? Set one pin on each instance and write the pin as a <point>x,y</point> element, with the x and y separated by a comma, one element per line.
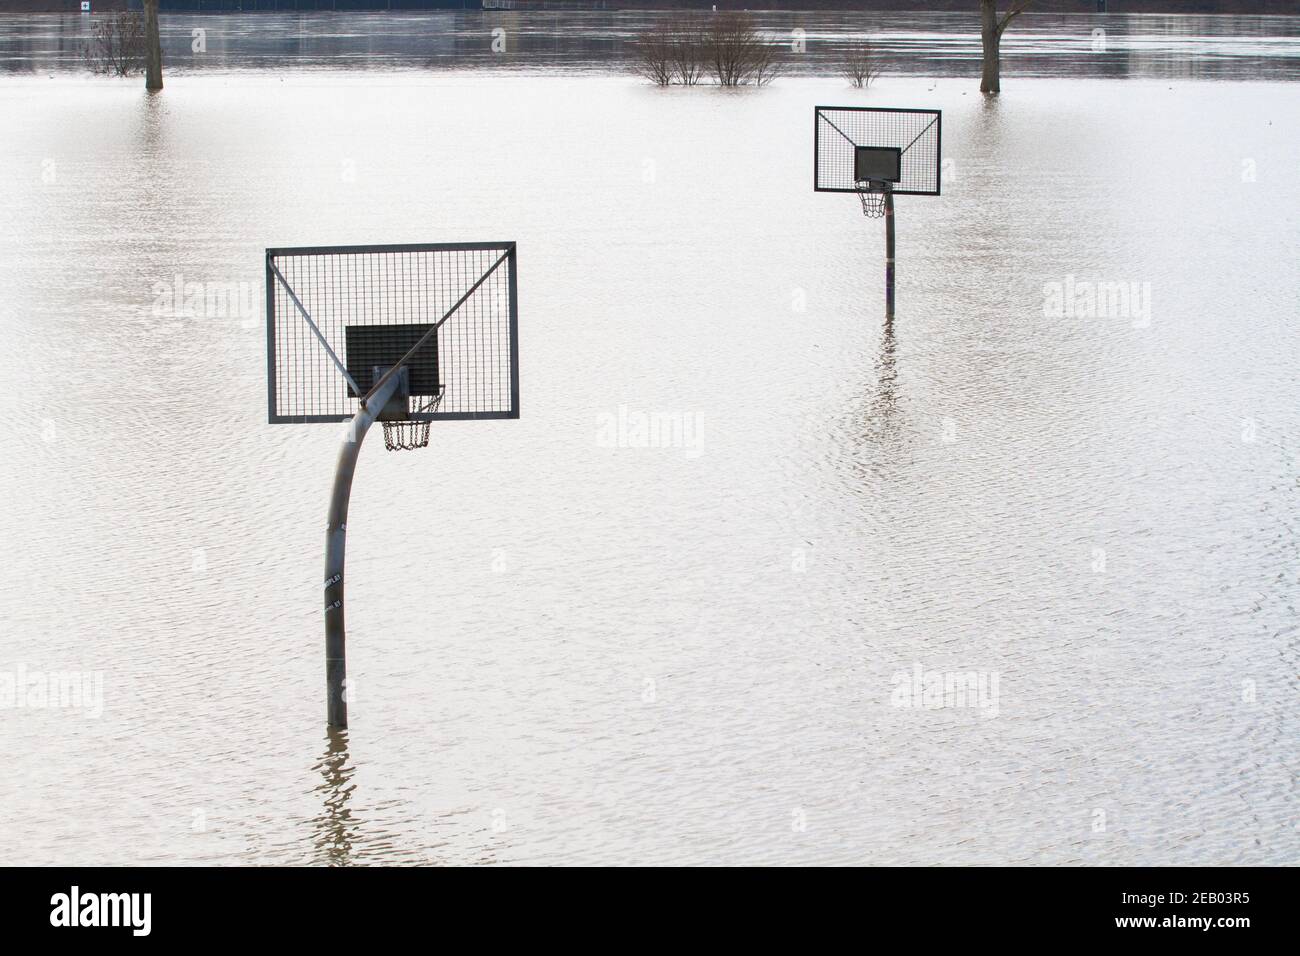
<point>477,352</point>
<point>839,130</point>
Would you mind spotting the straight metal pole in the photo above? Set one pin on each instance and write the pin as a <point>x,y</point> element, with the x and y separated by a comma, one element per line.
<point>889,253</point>
<point>336,532</point>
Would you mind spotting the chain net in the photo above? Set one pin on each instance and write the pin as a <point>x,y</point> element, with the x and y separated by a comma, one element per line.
<point>407,436</point>
<point>872,195</point>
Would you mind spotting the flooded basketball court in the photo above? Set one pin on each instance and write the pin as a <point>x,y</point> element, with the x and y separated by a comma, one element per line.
<point>754,578</point>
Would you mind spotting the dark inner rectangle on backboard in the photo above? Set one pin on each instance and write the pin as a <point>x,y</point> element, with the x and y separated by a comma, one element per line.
<point>877,163</point>
<point>369,346</point>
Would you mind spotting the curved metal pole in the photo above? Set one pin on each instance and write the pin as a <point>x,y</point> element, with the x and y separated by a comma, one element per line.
<point>336,531</point>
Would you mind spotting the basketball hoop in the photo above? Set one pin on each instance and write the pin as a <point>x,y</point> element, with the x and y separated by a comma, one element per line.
<point>872,193</point>
<point>407,436</point>
<point>404,335</point>
<point>878,153</point>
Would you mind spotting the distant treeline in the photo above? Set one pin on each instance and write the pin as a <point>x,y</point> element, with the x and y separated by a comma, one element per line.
<point>1247,7</point>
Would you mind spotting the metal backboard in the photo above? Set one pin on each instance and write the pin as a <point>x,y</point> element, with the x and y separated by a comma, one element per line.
<point>878,164</point>
<point>370,347</point>
<point>333,313</point>
<point>839,132</point>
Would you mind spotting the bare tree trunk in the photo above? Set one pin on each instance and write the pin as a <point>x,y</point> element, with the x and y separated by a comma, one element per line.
<point>991,35</point>
<point>153,47</point>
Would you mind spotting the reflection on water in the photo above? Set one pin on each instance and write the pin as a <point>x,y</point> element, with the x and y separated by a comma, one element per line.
<point>882,413</point>
<point>335,830</point>
<point>936,44</point>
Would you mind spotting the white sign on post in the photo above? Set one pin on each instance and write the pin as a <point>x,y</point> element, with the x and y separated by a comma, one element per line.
<point>85,6</point>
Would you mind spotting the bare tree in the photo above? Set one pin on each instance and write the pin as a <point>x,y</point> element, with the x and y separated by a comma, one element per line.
<point>738,53</point>
<point>153,50</point>
<point>654,56</point>
<point>991,30</point>
<point>859,65</point>
<point>117,44</point>
<point>767,65</point>
<point>688,55</point>
<point>729,47</point>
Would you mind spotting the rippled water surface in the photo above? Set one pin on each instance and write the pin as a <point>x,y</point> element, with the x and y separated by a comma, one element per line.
<point>569,651</point>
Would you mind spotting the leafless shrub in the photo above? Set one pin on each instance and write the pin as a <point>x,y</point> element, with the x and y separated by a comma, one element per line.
<point>737,53</point>
<point>766,64</point>
<point>117,45</point>
<point>859,65</point>
<point>728,46</point>
<point>665,55</point>
<point>654,56</point>
<point>688,55</point>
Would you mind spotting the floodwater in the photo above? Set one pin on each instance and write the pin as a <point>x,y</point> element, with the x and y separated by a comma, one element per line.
<point>575,641</point>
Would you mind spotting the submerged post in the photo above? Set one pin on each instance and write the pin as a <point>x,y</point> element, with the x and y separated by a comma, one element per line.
<point>889,253</point>
<point>336,532</point>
